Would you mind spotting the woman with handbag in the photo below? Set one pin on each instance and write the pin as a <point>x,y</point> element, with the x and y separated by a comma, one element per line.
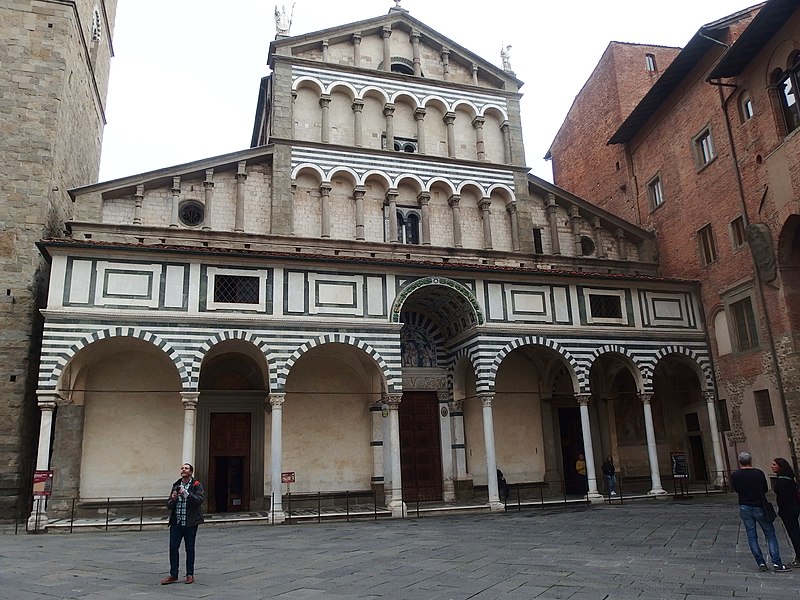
<point>786,497</point>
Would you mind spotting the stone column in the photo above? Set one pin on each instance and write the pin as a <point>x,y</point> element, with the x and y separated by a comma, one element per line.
<point>575,222</point>
<point>588,450</point>
<point>325,199</point>
<point>138,199</point>
<point>491,460</point>
<point>719,465</point>
<point>386,33</point>
<point>652,452</point>
<point>424,200</point>
<point>511,207</point>
<point>358,194</point>
<point>474,74</point>
<point>376,444</point>
<point>621,248</point>
<point>176,200</point>
<point>445,64</point>
<point>189,400</point>
<point>325,106</point>
<point>358,133</point>
<point>388,112</point>
<point>480,148</point>
<point>419,116</point>
<point>391,202</point>
<point>449,120</point>
<point>241,177</point>
<point>396,504</point>
<point>415,37</point>
<point>453,202</point>
<point>357,49</point>
<point>485,206</point>
<point>551,461</point>
<point>325,55</point>
<point>292,109</point>
<point>459,445</point>
<point>552,213</point>
<point>598,238</point>
<point>505,128</point>
<point>47,404</point>
<point>276,458</point>
<point>448,490</point>
<point>208,190</point>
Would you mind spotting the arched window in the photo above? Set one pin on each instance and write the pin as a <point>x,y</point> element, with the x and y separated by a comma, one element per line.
<point>408,225</point>
<point>788,86</point>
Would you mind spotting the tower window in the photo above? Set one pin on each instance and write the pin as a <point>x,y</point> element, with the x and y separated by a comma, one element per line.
<point>650,62</point>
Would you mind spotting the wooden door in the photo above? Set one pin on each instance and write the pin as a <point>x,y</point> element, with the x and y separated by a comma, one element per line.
<point>228,487</point>
<point>420,447</point>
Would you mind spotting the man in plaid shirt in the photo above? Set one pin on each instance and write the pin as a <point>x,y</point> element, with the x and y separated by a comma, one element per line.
<point>186,505</point>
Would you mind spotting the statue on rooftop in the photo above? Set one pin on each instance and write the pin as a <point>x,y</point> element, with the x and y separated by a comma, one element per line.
<point>505,56</point>
<point>283,20</point>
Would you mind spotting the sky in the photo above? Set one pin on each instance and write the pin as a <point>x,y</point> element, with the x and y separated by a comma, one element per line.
<point>185,73</point>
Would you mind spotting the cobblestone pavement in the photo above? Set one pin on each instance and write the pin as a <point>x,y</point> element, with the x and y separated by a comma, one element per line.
<point>666,549</point>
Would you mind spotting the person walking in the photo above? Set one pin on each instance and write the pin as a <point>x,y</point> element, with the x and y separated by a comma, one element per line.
<point>185,503</point>
<point>610,473</point>
<point>788,503</point>
<point>751,486</point>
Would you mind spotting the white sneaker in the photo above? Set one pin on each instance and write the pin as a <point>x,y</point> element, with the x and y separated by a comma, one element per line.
<point>613,493</point>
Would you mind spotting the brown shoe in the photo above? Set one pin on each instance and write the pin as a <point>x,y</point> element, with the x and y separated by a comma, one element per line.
<point>168,580</point>
<point>189,579</point>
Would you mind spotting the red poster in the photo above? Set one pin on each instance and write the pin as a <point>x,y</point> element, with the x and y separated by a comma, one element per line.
<point>42,483</point>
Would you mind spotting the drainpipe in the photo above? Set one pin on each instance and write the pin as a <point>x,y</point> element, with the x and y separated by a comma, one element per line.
<point>759,283</point>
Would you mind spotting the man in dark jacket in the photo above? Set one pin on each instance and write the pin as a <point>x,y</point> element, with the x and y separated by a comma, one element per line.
<point>751,485</point>
<point>186,505</point>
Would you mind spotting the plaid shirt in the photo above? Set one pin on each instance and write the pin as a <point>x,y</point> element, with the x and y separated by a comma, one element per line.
<point>180,507</point>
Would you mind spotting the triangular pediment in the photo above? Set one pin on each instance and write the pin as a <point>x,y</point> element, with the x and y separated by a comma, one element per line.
<point>339,42</point>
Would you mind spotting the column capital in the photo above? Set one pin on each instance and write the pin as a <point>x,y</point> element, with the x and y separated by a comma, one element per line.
<point>551,201</point>
<point>49,399</point>
<point>176,185</point>
<point>358,105</point>
<point>478,122</point>
<point>505,126</point>
<point>419,113</point>
<point>511,207</point>
<point>324,100</point>
<point>241,170</point>
<point>189,400</point>
<point>486,400</point>
<point>386,31</point>
<point>276,400</point>
<point>424,198</point>
<point>646,398</point>
<point>359,191</point>
<point>388,109</point>
<point>392,400</point>
<point>457,406</point>
<point>583,399</point>
<point>454,200</point>
<point>445,54</point>
<point>710,396</point>
<point>415,36</point>
<point>485,204</point>
<point>356,39</point>
<point>325,188</point>
<point>442,396</point>
<point>391,195</point>
<point>449,118</point>
<point>139,190</point>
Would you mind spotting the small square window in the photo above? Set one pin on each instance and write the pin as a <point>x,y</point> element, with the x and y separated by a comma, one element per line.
<point>704,148</point>
<point>605,307</point>
<point>708,250</point>
<point>738,235</point>
<point>744,324</point>
<point>655,192</point>
<point>763,408</point>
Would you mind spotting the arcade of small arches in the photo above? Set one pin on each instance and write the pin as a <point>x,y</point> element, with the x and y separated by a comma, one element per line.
<point>373,207</point>
<point>341,114</point>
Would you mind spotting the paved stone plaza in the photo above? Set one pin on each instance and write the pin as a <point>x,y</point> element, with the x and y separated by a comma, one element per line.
<point>647,549</point>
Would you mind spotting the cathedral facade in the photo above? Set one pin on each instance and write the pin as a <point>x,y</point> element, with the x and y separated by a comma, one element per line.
<point>376,295</point>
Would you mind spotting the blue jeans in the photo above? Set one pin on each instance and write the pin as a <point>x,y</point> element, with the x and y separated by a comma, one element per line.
<point>188,535</point>
<point>750,516</point>
<point>612,483</point>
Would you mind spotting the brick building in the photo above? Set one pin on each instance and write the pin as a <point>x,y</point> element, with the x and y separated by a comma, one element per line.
<point>376,296</point>
<point>708,160</point>
<point>55,62</point>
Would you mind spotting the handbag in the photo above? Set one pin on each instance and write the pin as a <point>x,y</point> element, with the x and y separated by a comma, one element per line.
<point>769,510</point>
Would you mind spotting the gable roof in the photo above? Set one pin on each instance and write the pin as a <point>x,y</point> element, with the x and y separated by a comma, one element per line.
<point>702,41</point>
<point>393,18</point>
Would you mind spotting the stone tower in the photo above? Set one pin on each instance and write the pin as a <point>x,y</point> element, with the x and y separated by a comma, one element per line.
<point>53,83</point>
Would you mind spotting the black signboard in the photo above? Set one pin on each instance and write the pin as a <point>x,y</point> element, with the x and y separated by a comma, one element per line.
<point>680,470</point>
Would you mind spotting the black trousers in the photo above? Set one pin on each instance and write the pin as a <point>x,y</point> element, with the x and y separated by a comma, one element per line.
<point>793,529</point>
